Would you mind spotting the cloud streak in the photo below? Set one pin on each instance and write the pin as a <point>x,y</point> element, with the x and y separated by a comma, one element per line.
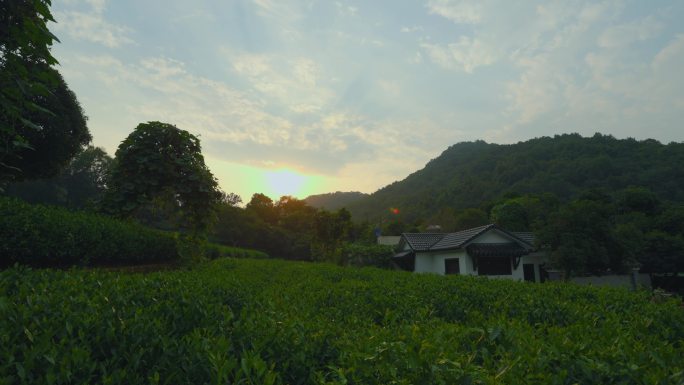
<point>91,26</point>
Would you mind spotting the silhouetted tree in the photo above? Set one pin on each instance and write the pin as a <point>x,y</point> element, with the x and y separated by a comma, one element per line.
<point>160,165</point>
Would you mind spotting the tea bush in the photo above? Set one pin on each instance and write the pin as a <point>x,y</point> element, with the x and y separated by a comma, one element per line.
<point>52,236</point>
<point>242,321</point>
<point>356,254</point>
<point>215,250</point>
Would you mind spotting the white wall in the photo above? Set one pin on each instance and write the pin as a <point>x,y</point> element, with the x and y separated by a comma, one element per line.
<point>423,263</point>
<point>438,261</point>
<point>433,262</point>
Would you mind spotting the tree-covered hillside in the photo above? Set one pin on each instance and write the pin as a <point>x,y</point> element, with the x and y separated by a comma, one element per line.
<point>334,201</point>
<point>471,174</point>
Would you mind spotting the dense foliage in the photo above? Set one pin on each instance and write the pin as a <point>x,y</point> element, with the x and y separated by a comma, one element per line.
<point>334,201</point>
<point>42,235</point>
<point>288,228</point>
<point>160,168</point>
<point>215,251</point>
<point>80,185</point>
<point>276,322</point>
<point>358,254</point>
<point>25,43</point>
<point>58,132</point>
<point>470,174</point>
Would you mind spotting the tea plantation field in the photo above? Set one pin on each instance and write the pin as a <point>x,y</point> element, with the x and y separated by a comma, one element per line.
<point>276,322</point>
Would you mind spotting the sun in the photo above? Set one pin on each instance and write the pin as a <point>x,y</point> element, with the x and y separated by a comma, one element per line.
<point>285,182</point>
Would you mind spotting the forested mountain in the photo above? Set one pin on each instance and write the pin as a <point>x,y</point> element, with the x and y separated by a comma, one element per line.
<point>474,174</point>
<point>334,201</point>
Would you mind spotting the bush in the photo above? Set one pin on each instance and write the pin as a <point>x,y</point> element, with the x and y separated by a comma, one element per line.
<point>214,251</point>
<point>356,254</point>
<point>39,235</point>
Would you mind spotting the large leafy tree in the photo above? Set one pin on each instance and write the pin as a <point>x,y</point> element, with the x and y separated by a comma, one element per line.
<point>85,179</point>
<point>581,239</point>
<point>55,136</point>
<point>262,206</point>
<point>161,165</point>
<point>25,43</point>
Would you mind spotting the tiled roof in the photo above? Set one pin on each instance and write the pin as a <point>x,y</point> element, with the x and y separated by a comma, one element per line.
<point>526,236</point>
<point>456,240</point>
<point>441,241</point>
<point>422,241</point>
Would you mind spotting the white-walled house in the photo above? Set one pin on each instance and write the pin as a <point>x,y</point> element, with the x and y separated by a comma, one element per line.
<point>486,250</point>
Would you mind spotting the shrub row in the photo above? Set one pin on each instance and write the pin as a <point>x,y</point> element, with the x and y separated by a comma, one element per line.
<point>276,322</point>
<point>52,236</point>
<point>214,251</point>
<point>356,254</point>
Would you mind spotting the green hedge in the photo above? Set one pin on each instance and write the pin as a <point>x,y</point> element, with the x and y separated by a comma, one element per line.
<point>214,251</point>
<point>355,254</point>
<point>39,235</point>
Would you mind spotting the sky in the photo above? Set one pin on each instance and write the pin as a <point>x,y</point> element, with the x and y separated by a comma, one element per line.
<point>312,96</point>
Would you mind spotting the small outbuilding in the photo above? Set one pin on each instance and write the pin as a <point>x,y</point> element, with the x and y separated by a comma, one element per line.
<point>486,250</point>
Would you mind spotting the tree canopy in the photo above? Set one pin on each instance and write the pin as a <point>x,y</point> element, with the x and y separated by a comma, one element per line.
<point>81,185</point>
<point>25,43</point>
<point>160,165</point>
<point>56,136</point>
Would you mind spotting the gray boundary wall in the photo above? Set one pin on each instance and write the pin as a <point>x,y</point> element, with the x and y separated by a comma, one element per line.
<point>630,281</point>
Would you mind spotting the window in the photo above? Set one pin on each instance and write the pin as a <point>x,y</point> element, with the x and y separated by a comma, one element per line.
<point>451,266</point>
<point>494,266</point>
<point>528,272</point>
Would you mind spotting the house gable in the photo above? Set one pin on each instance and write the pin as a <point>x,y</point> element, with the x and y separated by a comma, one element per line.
<point>496,235</point>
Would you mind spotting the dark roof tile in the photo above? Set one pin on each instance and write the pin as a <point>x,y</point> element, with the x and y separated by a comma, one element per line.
<point>442,241</point>
<point>526,236</point>
<point>422,241</point>
<point>456,240</point>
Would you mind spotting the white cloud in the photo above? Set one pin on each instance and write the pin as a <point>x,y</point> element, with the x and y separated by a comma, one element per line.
<point>346,10</point>
<point>91,26</point>
<point>467,54</point>
<point>458,11</point>
<point>306,71</point>
<point>288,82</point>
<point>390,88</point>
<point>672,55</point>
<point>161,89</point>
<point>415,28</point>
<point>628,33</point>
<point>552,87</point>
<point>534,93</point>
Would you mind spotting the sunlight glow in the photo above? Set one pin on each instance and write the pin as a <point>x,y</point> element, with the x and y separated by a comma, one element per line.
<point>284,182</point>
<point>246,180</point>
